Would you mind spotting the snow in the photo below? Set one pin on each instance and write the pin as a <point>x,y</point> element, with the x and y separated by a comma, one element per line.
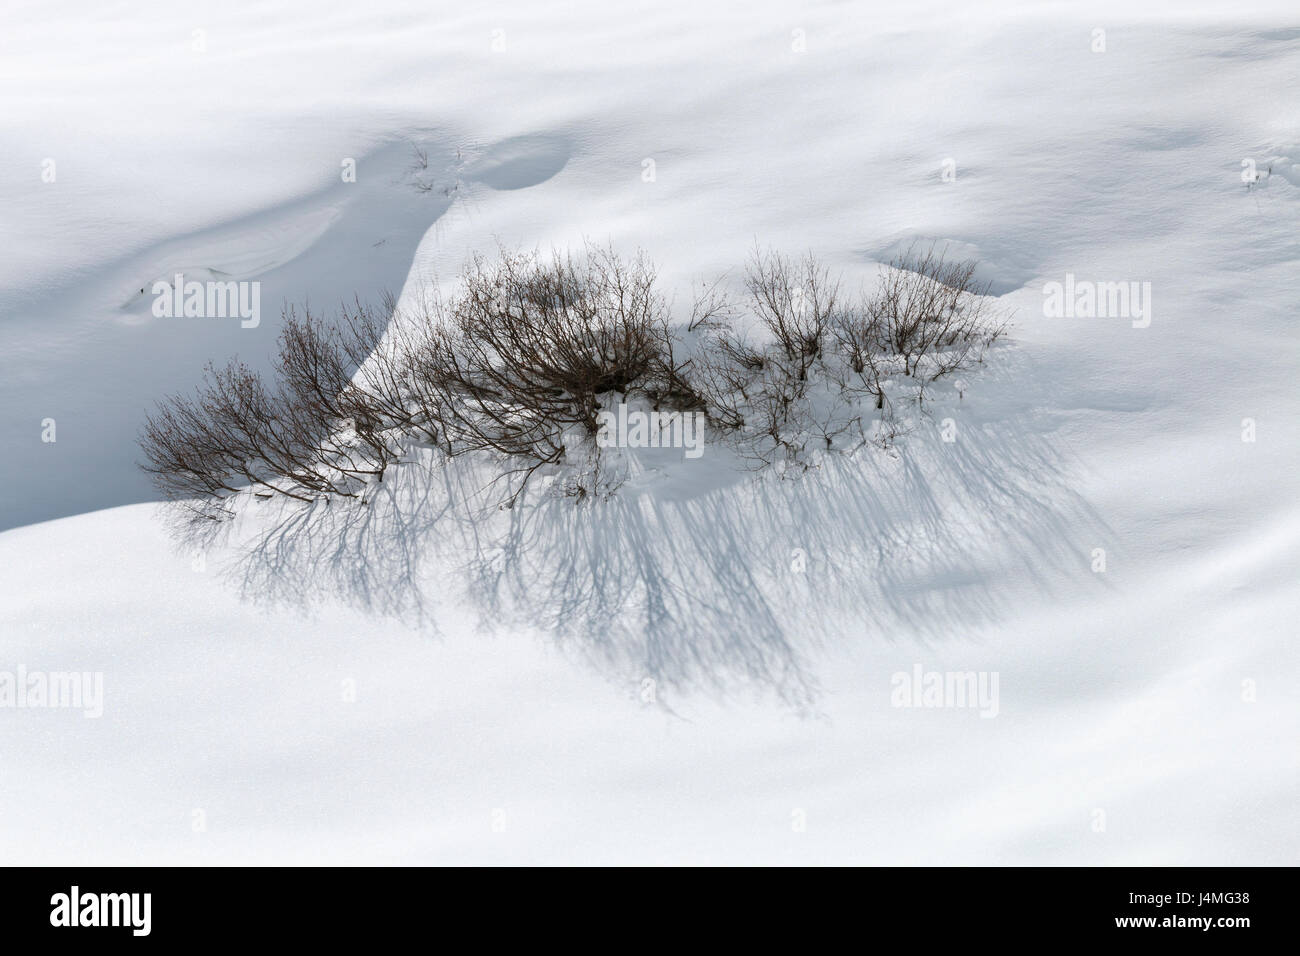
<point>500,660</point>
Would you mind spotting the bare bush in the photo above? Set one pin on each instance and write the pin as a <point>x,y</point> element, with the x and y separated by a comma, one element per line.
<point>520,359</point>
<point>796,302</point>
<point>523,357</point>
<point>926,319</point>
<point>932,314</point>
<point>518,362</point>
<point>311,432</point>
<point>761,389</point>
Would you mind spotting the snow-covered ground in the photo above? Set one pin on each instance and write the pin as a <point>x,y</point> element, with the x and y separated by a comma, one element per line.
<point>701,669</point>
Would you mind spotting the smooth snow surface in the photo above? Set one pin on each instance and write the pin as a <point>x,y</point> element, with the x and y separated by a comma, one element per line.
<point>502,664</point>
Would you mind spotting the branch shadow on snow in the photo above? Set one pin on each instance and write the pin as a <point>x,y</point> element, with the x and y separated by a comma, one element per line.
<point>730,591</point>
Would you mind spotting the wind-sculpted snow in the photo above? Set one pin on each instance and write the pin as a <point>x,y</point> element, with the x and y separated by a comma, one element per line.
<point>1099,527</point>
<point>345,240</point>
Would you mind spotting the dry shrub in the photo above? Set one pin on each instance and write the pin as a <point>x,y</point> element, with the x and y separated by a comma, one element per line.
<point>517,362</point>
<point>925,319</point>
<point>311,431</point>
<point>527,351</point>
<point>520,359</point>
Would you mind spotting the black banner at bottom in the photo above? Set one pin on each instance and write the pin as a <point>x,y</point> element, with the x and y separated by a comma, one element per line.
<point>1222,906</point>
